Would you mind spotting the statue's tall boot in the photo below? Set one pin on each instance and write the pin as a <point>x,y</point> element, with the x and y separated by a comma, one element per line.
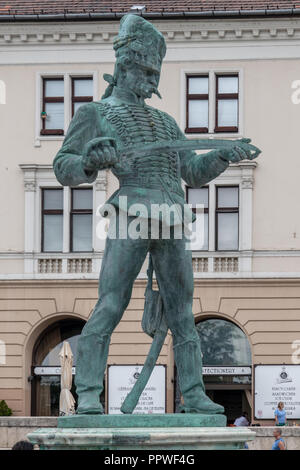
<point>92,355</point>
<point>188,360</point>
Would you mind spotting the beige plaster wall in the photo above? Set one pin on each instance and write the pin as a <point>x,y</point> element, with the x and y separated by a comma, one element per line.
<point>269,118</point>
<point>267,311</point>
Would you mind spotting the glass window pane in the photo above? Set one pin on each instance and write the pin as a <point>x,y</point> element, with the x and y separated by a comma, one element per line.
<point>228,85</point>
<point>82,198</point>
<point>47,394</point>
<point>54,88</point>
<point>227,113</point>
<point>198,113</point>
<point>223,344</point>
<point>52,358</point>
<point>198,85</point>
<point>82,232</point>
<point>55,115</point>
<point>78,104</point>
<point>198,196</point>
<point>83,87</point>
<point>228,197</point>
<point>53,232</point>
<point>50,344</point>
<point>199,239</point>
<point>53,198</point>
<point>228,231</point>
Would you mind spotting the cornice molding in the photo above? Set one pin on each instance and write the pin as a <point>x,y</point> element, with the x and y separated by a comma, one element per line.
<point>174,31</point>
<point>33,171</point>
<point>21,283</point>
<point>8,255</point>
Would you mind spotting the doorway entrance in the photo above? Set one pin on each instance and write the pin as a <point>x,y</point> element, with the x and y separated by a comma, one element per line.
<point>234,401</point>
<point>45,389</point>
<point>227,367</point>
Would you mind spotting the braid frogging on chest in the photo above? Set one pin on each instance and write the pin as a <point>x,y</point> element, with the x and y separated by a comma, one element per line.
<point>135,124</point>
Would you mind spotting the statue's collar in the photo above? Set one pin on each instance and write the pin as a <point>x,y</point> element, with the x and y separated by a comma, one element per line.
<point>127,96</point>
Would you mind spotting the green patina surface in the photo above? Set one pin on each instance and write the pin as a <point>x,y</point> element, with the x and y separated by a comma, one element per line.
<point>122,133</point>
<point>142,438</point>
<point>142,421</point>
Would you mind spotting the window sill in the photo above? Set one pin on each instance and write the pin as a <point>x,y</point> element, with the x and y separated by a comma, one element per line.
<point>51,137</point>
<point>61,254</point>
<point>48,138</point>
<point>214,135</point>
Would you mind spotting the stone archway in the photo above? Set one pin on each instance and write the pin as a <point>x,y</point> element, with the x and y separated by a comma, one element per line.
<point>33,337</point>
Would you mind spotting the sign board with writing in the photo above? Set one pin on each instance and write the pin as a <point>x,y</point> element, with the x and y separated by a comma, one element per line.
<point>222,370</point>
<point>121,379</point>
<point>50,370</point>
<point>274,384</point>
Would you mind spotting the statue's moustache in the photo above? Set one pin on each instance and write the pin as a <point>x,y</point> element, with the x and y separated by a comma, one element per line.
<point>150,89</point>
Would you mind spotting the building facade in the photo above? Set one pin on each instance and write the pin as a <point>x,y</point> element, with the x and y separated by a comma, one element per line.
<point>223,77</point>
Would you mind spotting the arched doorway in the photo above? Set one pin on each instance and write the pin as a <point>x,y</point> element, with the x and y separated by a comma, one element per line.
<point>227,361</point>
<point>46,365</point>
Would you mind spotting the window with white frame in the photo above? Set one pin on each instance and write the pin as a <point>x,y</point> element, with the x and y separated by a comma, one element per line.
<point>52,115</point>
<point>81,223</point>
<point>52,220</point>
<point>197,99</point>
<point>60,227</point>
<point>227,101</point>
<point>59,97</point>
<point>54,214</point>
<point>82,92</point>
<point>200,197</point>
<point>227,218</point>
<point>212,103</point>
<point>225,213</point>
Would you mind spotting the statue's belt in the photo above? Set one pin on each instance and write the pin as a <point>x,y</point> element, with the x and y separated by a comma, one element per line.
<point>146,182</point>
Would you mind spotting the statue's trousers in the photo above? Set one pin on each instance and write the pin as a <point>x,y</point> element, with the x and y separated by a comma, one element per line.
<point>122,262</point>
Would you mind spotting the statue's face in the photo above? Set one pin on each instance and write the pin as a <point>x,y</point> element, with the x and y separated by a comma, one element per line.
<point>143,81</point>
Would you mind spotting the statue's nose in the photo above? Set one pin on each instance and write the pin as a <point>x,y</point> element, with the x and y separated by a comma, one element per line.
<point>152,80</point>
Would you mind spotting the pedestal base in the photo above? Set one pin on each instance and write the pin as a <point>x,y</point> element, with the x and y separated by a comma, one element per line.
<point>142,432</point>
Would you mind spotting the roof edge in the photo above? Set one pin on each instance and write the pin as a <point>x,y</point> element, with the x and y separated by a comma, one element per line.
<point>152,15</point>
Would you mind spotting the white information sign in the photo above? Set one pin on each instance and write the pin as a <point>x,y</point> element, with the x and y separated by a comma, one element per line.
<point>274,384</point>
<point>121,380</point>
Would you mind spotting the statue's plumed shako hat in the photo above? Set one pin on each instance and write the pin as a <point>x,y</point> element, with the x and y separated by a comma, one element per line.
<point>146,44</point>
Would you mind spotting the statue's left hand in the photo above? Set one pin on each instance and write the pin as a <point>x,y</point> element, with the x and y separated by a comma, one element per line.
<point>241,150</point>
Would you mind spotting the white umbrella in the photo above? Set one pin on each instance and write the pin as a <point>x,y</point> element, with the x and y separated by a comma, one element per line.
<point>66,399</point>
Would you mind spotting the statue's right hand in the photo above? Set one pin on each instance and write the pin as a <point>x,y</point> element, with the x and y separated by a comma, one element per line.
<point>99,153</point>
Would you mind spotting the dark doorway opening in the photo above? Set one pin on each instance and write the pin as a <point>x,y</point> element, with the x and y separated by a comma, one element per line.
<point>45,386</point>
<point>224,346</point>
<point>232,400</point>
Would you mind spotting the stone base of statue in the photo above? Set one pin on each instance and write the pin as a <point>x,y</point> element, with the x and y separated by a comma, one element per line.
<point>142,432</point>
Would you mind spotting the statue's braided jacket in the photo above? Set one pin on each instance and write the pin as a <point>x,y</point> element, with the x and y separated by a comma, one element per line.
<point>148,180</point>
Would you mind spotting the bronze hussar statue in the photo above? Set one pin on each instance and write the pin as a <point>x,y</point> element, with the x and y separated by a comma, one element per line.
<point>148,153</point>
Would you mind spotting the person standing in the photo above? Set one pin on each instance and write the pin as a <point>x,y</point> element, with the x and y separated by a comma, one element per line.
<point>279,443</point>
<point>242,420</point>
<point>280,415</point>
